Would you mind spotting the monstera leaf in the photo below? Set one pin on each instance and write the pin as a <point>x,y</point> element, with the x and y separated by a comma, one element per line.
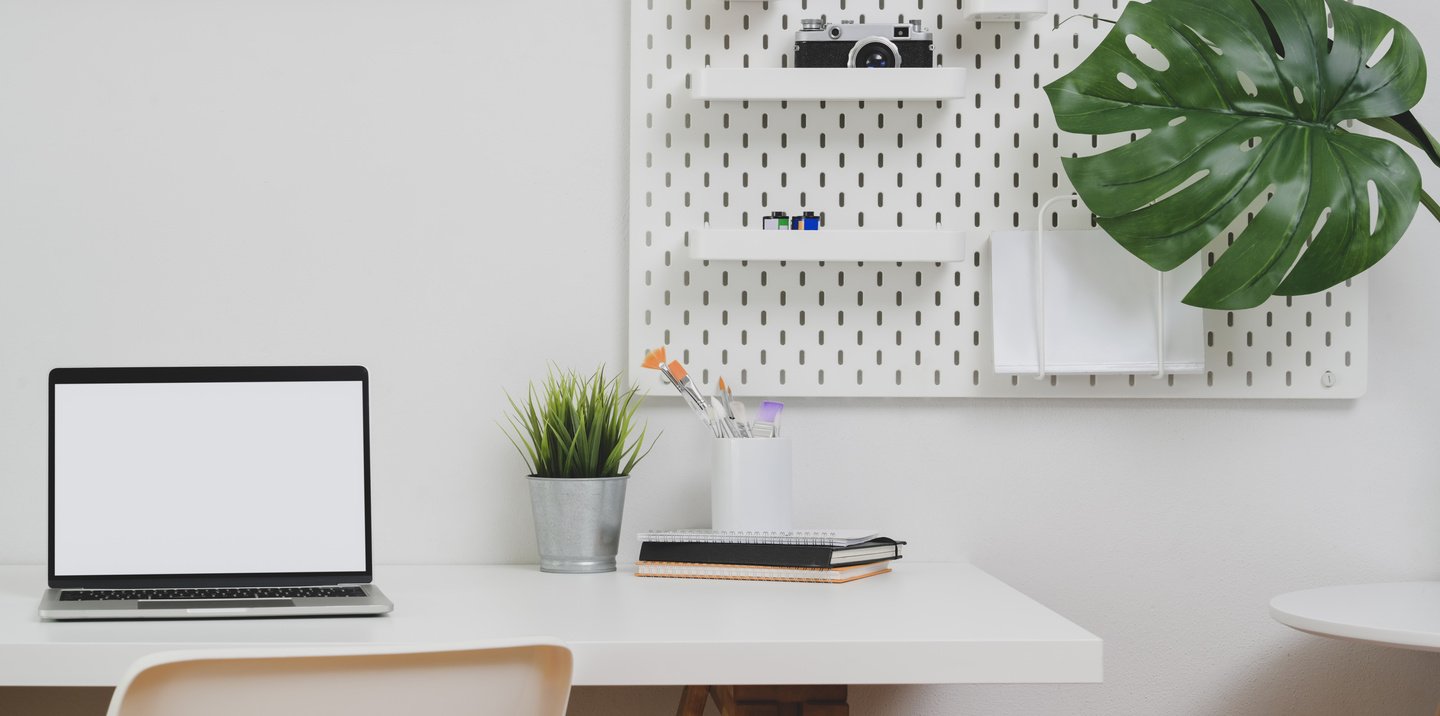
<point>1244,99</point>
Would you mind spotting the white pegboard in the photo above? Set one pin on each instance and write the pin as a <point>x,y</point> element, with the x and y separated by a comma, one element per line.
<point>976,164</point>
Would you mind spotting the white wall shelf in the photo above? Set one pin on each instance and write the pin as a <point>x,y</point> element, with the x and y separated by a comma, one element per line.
<point>829,83</point>
<point>1006,10</point>
<point>937,246</point>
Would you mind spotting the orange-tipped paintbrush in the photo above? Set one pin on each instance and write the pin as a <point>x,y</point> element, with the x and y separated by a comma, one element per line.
<point>654,359</point>
<point>676,375</point>
<point>727,404</point>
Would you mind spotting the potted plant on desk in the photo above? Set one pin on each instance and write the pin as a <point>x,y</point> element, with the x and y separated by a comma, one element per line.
<point>575,435</point>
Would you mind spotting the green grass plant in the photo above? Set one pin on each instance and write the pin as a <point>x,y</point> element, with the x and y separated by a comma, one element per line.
<point>574,425</point>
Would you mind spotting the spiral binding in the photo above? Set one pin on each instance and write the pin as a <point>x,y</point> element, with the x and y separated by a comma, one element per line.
<point>824,538</point>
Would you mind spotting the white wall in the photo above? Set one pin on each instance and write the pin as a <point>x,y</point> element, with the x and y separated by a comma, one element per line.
<point>412,186</point>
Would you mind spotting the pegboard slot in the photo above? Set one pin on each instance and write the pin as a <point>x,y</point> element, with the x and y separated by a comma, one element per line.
<point>938,246</point>
<point>829,84</point>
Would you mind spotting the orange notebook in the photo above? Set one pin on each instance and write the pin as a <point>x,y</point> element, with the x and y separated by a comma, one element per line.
<point>692,570</point>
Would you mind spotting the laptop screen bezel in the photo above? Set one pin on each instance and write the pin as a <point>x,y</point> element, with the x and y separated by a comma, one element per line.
<point>232,374</point>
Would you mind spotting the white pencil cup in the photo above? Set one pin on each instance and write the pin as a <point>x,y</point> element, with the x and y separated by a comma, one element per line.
<point>750,487</point>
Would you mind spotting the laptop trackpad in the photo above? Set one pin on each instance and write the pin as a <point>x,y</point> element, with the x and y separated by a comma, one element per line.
<point>215,603</point>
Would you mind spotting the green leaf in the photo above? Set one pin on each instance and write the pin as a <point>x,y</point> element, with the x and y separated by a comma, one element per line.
<point>1243,100</point>
<point>575,426</point>
<point>1409,129</point>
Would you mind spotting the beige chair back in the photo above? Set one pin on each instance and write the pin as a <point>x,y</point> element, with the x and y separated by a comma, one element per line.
<point>519,678</point>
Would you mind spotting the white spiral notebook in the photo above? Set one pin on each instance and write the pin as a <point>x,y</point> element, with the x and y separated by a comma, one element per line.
<point>825,538</point>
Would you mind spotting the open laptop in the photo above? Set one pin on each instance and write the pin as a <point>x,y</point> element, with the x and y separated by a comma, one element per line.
<point>210,492</point>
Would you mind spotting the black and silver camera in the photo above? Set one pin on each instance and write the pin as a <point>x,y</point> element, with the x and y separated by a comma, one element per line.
<point>822,44</point>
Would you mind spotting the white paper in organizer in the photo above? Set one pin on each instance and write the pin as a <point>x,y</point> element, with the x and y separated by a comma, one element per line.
<point>1100,307</point>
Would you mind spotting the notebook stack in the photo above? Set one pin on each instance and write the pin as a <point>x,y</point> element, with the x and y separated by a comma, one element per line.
<point>829,556</point>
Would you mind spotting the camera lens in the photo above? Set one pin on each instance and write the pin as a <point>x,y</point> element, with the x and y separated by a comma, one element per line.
<point>875,55</point>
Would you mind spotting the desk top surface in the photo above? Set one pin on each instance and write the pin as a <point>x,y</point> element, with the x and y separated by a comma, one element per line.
<point>1400,614</point>
<point>922,623</point>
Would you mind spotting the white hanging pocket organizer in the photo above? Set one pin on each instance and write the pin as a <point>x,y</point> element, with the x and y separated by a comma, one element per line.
<point>1076,302</point>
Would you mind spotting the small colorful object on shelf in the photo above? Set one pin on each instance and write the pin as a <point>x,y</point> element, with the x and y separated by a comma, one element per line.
<point>779,220</point>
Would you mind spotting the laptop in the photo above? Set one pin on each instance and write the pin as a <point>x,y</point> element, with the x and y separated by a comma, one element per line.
<point>210,492</point>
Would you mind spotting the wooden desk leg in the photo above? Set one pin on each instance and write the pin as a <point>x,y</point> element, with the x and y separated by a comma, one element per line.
<point>829,700</point>
<point>692,701</point>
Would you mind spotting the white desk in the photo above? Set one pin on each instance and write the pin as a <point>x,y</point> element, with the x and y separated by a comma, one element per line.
<point>923,623</point>
<point>1403,614</point>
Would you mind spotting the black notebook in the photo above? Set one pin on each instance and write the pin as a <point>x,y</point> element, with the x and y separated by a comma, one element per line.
<point>771,555</point>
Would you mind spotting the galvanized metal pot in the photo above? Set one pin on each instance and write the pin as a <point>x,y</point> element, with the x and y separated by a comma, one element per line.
<point>577,522</point>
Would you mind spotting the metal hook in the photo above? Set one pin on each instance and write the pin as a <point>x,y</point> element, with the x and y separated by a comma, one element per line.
<point>1040,281</point>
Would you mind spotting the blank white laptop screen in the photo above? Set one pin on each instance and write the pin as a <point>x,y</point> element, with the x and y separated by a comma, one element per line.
<point>209,478</point>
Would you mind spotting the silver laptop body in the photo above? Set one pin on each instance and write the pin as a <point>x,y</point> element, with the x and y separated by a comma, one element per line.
<point>210,493</point>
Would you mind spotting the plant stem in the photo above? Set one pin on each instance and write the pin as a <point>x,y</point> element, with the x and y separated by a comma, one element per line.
<point>1429,203</point>
<point>1087,17</point>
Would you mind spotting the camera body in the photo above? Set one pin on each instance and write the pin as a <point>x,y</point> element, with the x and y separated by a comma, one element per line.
<point>872,44</point>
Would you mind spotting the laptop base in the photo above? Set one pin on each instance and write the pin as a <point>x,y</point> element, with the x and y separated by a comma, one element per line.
<point>374,602</point>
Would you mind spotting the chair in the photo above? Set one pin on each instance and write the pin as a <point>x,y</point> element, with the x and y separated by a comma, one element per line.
<point>524,678</point>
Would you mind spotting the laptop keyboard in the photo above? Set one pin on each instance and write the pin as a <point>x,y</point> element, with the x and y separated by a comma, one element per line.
<point>108,595</point>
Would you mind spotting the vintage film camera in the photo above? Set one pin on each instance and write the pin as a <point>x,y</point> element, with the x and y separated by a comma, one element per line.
<point>822,44</point>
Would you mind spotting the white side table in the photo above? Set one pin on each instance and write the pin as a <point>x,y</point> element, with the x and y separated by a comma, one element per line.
<point>1401,614</point>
